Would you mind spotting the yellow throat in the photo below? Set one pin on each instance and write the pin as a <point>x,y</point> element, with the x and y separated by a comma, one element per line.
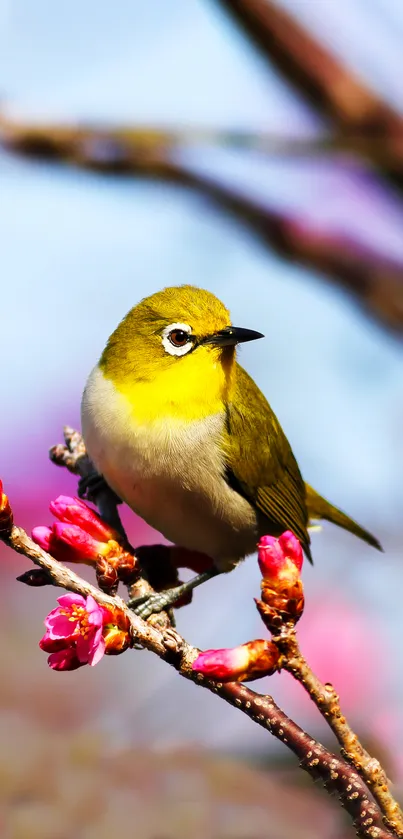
<point>159,385</point>
<point>187,392</point>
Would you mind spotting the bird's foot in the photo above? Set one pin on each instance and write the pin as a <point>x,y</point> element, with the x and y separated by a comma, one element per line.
<point>148,605</point>
<point>91,485</point>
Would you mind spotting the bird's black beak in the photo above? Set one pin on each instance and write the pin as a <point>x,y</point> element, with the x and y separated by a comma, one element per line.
<point>230,336</point>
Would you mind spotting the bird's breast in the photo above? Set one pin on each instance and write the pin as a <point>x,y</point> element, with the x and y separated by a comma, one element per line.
<point>170,472</point>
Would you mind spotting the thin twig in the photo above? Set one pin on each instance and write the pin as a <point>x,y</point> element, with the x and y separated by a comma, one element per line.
<point>327,701</point>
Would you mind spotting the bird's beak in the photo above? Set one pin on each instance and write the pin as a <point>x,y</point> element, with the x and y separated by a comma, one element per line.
<point>230,336</point>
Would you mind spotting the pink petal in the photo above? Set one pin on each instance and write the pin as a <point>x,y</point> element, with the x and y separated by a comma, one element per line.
<point>292,548</point>
<point>67,600</point>
<point>91,648</point>
<point>52,645</point>
<point>84,546</point>
<point>59,626</point>
<point>84,647</point>
<point>94,611</point>
<point>41,535</point>
<point>97,653</point>
<point>96,638</point>
<point>64,660</point>
<point>271,556</point>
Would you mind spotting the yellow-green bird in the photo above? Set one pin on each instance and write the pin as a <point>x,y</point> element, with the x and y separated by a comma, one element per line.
<point>184,436</point>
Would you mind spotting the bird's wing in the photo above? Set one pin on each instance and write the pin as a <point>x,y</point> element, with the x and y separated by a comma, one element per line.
<point>260,462</point>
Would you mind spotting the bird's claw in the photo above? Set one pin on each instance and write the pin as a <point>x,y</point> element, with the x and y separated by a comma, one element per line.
<point>152,604</point>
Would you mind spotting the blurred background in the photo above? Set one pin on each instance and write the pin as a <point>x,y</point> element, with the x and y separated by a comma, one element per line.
<point>255,149</point>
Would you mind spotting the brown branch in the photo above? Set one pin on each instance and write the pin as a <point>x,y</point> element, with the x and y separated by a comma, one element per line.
<point>375,281</point>
<point>337,776</point>
<point>327,701</point>
<point>323,79</point>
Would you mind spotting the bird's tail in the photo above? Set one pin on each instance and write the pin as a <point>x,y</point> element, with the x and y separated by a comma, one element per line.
<point>319,508</point>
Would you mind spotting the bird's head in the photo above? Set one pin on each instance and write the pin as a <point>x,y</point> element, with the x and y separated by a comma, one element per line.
<point>179,339</point>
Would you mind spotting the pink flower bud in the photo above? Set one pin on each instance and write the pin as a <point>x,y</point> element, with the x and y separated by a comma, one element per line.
<point>83,547</point>
<point>68,543</point>
<point>280,562</point>
<point>240,664</point>
<point>280,559</point>
<point>292,548</point>
<point>75,511</point>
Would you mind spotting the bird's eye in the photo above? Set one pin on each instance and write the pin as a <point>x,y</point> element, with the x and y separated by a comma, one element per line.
<point>178,337</point>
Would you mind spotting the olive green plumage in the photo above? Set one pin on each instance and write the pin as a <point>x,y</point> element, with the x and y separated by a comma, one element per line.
<point>319,508</point>
<point>270,477</point>
<point>272,480</point>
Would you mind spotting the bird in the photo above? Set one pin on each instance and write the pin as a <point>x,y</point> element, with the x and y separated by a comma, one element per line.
<point>181,433</point>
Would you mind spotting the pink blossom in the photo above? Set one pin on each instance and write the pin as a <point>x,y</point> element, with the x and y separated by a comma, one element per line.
<point>74,511</point>
<point>281,558</point>
<point>75,625</point>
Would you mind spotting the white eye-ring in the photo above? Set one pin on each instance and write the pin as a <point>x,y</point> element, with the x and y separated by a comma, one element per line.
<point>176,338</point>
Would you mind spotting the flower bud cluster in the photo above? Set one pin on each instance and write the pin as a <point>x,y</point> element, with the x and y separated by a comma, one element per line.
<point>81,536</point>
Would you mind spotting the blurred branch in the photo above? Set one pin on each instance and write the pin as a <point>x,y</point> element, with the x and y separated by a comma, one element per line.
<point>50,139</point>
<point>336,774</point>
<point>331,87</point>
<point>375,281</point>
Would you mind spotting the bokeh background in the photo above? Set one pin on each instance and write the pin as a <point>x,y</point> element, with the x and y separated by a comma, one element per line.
<point>270,198</point>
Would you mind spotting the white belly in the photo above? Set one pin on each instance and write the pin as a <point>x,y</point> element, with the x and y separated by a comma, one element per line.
<point>170,473</point>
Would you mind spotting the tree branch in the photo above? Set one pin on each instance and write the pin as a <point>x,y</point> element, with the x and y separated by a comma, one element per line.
<point>327,702</point>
